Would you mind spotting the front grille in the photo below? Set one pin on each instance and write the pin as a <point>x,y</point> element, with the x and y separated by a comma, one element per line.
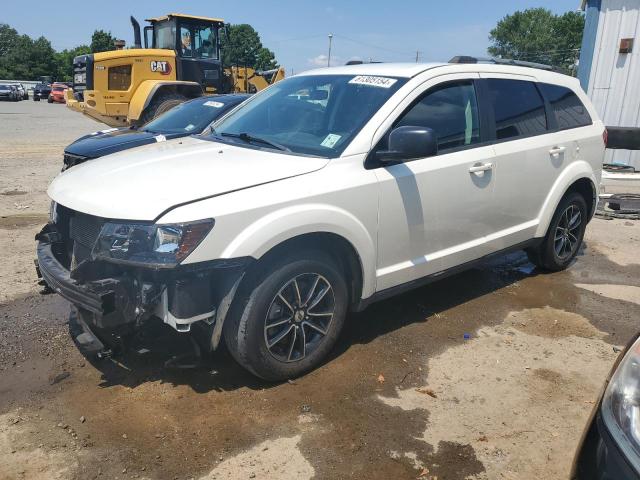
<point>83,232</point>
<point>84,229</point>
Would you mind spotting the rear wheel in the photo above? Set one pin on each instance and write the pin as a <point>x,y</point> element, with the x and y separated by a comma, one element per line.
<point>160,105</point>
<point>564,237</point>
<point>289,317</point>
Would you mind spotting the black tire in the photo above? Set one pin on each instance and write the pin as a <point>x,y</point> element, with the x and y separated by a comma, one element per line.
<point>49,100</point>
<point>564,236</point>
<point>246,332</point>
<point>36,99</point>
<point>160,105</point>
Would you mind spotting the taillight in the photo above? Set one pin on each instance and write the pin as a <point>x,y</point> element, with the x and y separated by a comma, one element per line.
<point>605,137</point>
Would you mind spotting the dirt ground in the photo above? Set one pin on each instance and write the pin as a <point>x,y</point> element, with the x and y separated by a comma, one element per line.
<point>404,395</point>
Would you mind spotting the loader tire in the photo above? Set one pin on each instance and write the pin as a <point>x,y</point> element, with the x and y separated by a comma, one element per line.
<point>160,105</point>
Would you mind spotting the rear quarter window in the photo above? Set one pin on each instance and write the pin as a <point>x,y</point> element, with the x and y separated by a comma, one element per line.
<point>566,106</point>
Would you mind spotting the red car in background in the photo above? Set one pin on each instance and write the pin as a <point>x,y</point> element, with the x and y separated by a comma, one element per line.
<point>57,92</point>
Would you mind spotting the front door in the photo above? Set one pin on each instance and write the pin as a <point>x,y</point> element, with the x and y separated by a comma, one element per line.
<point>434,212</point>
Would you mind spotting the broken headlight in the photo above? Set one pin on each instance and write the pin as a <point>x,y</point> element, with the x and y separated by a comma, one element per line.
<point>621,404</point>
<point>149,245</point>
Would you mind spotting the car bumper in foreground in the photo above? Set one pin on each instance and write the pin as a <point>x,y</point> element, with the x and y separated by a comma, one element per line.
<point>599,457</point>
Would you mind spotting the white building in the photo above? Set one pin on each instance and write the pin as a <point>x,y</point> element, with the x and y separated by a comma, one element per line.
<point>609,68</point>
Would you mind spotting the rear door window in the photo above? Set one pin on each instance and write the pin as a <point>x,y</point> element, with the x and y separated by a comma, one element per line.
<point>451,110</point>
<point>566,106</point>
<point>518,108</point>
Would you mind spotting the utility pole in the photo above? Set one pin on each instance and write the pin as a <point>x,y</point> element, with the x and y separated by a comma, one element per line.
<point>329,56</point>
<point>417,55</point>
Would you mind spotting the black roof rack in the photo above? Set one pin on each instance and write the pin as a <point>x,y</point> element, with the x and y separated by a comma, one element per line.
<point>500,61</point>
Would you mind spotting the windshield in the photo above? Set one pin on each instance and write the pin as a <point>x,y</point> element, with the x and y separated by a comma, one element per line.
<point>314,114</point>
<point>190,117</point>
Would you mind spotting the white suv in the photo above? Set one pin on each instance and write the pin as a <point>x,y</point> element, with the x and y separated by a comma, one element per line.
<point>318,196</point>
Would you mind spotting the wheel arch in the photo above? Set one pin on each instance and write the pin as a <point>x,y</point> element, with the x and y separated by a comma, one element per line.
<point>148,90</point>
<point>337,247</point>
<point>578,177</point>
<point>326,226</point>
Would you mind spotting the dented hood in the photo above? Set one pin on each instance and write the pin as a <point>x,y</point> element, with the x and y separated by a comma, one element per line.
<point>142,183</point>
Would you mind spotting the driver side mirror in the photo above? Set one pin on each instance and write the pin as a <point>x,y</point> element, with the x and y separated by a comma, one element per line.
<point>408,143</point>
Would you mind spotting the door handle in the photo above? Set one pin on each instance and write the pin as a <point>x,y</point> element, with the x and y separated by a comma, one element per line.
<point>481,168</point>
<point>555,151</point>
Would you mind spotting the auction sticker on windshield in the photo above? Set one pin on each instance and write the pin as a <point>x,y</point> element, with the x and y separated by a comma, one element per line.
<point>383,82</point>
<point>330,140</point>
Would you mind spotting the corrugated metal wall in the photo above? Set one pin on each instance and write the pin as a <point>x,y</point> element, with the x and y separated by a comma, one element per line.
<point>614,78</point>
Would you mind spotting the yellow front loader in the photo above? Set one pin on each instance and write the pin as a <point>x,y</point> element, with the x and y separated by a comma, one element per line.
<point>181,59</point>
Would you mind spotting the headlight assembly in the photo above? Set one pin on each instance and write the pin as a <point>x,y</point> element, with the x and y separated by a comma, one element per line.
<point>621,404</point>
<point>160,246</point>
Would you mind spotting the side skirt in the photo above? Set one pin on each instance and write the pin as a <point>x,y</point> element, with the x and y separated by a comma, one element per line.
<point>420,282</point>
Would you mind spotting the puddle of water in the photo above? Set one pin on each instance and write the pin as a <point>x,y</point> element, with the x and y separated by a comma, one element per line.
<point>515,393</point>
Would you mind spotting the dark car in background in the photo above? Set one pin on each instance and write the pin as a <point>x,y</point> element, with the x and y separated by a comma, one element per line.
<point>41,91</point>
<point>610,445</point>
<point>8,92</point>
<point>188,118</point>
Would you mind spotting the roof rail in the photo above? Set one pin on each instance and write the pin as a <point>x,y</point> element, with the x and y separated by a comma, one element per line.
<point>500,61</point>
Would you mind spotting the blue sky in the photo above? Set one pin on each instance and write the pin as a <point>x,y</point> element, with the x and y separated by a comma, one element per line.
<point>297,30</point>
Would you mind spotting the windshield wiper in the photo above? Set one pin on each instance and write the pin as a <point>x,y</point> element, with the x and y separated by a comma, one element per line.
<point>245,137</point>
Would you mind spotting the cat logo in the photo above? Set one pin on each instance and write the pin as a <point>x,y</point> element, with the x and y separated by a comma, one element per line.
<point>161,67</point>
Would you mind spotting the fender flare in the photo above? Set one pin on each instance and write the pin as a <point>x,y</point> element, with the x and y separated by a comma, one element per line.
<point>285,224</point>
<point>148,89</point>
<point>574,172</point>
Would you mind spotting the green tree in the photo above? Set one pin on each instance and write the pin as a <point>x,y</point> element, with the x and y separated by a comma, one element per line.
<point>242,46</point>
<point>537,35</point>
<point>102,41</point>
<point>8,38</point>
<point>265,59</point>
<point>22,58</point>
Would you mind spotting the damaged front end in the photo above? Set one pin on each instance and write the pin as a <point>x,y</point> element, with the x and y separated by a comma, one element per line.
<point>121,275</point>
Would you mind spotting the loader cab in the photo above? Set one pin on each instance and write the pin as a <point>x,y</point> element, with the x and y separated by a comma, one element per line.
<point>196,41</point>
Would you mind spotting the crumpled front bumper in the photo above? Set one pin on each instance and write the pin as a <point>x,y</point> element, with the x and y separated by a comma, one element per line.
<point>117,298</point>
<point>98,300</point>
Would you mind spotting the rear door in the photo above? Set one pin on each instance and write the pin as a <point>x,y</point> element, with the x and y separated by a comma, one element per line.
<point>529,156</point>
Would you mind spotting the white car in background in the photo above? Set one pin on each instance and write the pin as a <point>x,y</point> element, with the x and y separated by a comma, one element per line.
<point>320,195</point>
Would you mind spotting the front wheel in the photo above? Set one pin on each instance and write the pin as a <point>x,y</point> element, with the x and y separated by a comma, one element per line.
<point>289,317</point>
<point>564,237</point>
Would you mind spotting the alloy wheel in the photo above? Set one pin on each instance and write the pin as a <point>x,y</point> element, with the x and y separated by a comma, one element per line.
<point>565,242</point>
<point>299,317</point>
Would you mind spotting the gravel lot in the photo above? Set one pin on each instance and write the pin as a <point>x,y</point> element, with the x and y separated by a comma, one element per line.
<point>403,396</point>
